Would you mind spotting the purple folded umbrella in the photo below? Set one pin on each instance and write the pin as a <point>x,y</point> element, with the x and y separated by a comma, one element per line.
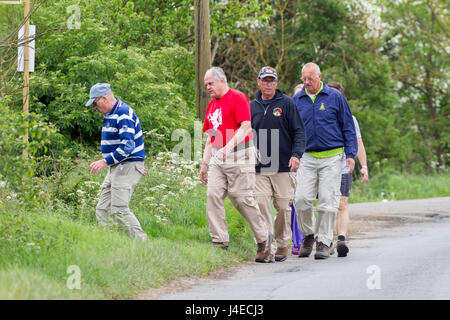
<point>297,236</point>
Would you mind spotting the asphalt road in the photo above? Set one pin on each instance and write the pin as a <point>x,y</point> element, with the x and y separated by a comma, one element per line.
<point>407,256</point>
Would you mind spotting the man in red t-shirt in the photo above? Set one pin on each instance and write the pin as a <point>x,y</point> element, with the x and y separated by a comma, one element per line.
<point>228,166</point>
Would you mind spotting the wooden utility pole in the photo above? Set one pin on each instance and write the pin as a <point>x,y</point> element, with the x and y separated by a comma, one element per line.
<point>202,53</point>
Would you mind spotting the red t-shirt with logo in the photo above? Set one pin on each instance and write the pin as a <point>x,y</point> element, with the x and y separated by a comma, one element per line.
<point>224,115</point>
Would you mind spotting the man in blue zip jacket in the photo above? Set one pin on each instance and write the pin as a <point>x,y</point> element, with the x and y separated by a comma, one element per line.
<point>330,133</point>
<point>280,138</point>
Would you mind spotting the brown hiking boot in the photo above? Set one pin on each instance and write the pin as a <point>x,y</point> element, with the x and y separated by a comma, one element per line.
<point>322,251</point>
<point>281,254</point>
<point>263,253</point>
<point>307,246</point>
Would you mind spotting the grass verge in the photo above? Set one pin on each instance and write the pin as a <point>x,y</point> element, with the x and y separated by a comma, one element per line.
<point>38,250</point>
<point>390,185</point>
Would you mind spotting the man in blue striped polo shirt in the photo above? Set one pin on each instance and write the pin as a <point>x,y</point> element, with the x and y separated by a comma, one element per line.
<point>122,148</point>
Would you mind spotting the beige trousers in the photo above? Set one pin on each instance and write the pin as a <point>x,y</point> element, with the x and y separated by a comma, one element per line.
<point>113,206</point>
<point>234,178</point>
<point>279,187</point>
<point>323,177</point>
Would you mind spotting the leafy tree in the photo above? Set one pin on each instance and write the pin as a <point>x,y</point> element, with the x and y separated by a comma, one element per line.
<point>417,47</point>
<point>355,59</point>
<point>345,39</point>
<point>145,50</point>
<point>154,80</point>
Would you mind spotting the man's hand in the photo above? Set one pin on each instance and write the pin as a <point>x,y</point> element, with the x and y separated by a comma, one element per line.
<point>204,173</point>
<point>365,173</point>
<point>294,163</point>
<point>97,166</point>
<point>350,164</point>
<point>222,153</point>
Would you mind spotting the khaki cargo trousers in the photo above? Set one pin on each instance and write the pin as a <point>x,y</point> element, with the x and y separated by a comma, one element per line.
<point>235,178</point>
<point>279,187</point>
<point>113,206</point>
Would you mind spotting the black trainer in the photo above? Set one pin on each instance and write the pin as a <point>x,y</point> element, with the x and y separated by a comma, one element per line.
<point>341,248</point>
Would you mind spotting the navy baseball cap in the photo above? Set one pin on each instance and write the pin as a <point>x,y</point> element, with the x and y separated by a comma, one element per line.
<point>267,72</point>
<point>98,90</point>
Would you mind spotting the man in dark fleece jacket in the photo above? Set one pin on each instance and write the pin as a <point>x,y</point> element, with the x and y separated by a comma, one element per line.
<point>280,138</point>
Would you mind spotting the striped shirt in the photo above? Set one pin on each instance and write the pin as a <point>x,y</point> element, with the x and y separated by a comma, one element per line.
<point>122,138</point>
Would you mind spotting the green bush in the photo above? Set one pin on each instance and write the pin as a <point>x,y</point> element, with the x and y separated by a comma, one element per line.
<point>156,79</point>
<point>140,81</point>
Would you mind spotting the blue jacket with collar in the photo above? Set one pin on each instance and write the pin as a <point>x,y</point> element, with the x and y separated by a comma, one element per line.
<point>328,121</point>
<point>280,121</point>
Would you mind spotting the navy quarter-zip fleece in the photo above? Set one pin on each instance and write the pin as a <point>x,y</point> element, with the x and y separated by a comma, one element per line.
<point>281,114</point>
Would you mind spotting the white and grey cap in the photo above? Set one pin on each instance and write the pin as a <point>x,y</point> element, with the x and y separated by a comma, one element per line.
<point>98,90</point>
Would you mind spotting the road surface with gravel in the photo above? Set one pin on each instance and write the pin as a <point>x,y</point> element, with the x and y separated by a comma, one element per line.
<point>398,250</point>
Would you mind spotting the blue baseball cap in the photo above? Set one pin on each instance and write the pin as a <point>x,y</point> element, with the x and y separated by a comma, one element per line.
<point>98,90</point>
<point>267,72</point>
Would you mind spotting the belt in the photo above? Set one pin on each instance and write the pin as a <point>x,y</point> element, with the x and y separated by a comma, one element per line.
<point>245,145</point>
<point>325,153</point>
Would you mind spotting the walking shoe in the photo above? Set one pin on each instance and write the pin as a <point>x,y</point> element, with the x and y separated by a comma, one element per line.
<point>322,251</point>
<point>341,248</point>
<point>306,247</point>
<point>295,250</point>
<point>262,255</point>
<point>281,254</point>
<point>222,245</point>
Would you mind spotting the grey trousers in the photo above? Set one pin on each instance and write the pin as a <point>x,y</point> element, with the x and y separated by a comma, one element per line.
<point>323,177</point>
<point>113,206</point>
